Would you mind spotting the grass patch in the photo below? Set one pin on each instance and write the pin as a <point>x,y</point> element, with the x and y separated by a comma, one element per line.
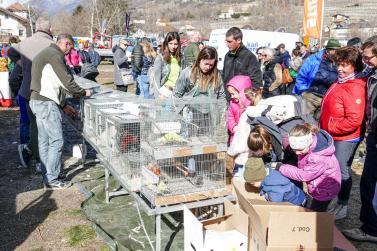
<point>80,235</point>
<point>104,247</point>
<point>74,212</point>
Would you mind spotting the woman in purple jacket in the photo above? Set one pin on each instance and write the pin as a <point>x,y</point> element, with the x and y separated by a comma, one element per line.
<point>317,164</point>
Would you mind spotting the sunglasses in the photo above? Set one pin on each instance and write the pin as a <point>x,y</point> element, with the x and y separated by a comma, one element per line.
<point>367,59</point>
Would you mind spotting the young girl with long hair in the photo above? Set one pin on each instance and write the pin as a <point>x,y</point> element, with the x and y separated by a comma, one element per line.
<point>149,55</point>
<point>167,66</point>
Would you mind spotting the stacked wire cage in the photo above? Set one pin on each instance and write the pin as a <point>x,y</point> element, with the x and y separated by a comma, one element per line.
<point>92,105</point>
<point>121,136</point>
<point>185,143</point>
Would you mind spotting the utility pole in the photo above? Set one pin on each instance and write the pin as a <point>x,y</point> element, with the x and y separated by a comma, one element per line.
<point>31,23</point>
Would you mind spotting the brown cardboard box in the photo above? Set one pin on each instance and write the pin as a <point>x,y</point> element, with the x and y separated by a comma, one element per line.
<point>248,191</point>
<point>282,226</point>
<point>196,235</point>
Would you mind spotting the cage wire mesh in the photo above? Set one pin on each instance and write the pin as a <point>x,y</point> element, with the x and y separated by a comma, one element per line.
<point>90,107</point>
<point>185,123</point>
<point>183,175</point>
<point>161,147</point>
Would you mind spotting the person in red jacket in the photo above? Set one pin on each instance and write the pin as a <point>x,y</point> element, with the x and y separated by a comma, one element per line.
<point>342,116</point>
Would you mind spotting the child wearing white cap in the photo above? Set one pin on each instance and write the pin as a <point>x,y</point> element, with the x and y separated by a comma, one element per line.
<point>317,164</point>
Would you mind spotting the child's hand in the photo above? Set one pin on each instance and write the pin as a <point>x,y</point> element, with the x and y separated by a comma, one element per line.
<point>235,128</point>
<point>276,165</point>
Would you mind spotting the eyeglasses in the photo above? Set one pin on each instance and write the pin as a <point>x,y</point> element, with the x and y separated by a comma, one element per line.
<point>367,59</point>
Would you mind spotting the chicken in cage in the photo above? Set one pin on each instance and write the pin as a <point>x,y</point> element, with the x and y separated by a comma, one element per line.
<point>182,175</point>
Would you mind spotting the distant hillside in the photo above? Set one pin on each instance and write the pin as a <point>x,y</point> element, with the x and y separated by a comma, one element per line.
<point>54,6</point>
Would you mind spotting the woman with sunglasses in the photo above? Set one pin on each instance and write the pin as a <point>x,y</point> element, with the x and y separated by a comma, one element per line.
<point>167,66</point>
<point>342,116</point>
<point>272,73</point>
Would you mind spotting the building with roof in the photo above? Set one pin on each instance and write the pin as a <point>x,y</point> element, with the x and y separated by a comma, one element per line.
<point>14,22</point>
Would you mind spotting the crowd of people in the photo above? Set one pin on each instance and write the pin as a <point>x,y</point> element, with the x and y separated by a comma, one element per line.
<point>293,117</point>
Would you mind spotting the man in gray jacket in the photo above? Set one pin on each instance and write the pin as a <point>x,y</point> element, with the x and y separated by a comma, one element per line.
<point>51,79</point>
<point>28,49</point>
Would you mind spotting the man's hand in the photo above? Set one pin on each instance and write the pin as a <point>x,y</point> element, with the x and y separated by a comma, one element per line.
<point>69,110</point>
<point>88,93</point>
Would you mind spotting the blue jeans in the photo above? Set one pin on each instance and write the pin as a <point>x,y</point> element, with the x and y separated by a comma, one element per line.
<point>50,137</point>
<point>344,152</point>
<point>135,76</point>
<point>143,83</point>
<point>24,120</point>
<point>368,184</point>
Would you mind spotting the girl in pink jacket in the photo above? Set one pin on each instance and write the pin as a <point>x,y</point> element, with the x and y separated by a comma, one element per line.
<point>238,101</point>
<point>317,164</point>
<point>74,61</point>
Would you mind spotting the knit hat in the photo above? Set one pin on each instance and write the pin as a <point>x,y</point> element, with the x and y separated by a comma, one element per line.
<point>300,142</point>
<point>255,170</point>
<point>333,44</point>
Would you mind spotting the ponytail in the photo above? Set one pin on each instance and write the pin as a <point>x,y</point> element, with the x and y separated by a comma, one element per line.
<point>259,140</point>
<point>254,95</point>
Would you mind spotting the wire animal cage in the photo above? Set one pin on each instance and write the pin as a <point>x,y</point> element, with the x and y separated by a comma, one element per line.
<point>91,106</point>
<point>185,127</point>
<point>163,180</point>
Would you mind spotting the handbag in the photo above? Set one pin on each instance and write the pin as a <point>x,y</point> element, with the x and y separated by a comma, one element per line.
<point>287,78</point>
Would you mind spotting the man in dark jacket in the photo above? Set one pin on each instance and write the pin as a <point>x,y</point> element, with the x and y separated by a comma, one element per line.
<point>51,79</point>
<point>84,55</point>
<point>239,60</point>
<point>368,182</point>
<point>315,77</point>
<point>283,56</point>
<point>94,56</point>
<point>137,61</point>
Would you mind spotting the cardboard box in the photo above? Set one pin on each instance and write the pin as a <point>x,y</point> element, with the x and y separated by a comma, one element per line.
<point>283,226</point>
<point>248,191</point>
<point>229,232</point>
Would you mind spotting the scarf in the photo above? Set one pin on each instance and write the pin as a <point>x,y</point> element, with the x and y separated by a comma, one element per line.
<point>345,79</point>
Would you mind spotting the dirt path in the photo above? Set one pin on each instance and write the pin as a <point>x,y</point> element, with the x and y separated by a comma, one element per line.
<point>31,217</point>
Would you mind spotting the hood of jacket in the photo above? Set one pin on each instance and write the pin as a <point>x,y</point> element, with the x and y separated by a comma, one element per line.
<point>323,144</point>
<point>269,126</point>
<point>116,47</point>
<point>240,83</point>
<point>275,178</point>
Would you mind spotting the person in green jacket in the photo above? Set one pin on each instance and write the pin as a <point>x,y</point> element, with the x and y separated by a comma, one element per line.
<point>191,51</point>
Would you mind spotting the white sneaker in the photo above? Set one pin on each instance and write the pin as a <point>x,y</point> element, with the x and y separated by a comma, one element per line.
<point>340,211</point>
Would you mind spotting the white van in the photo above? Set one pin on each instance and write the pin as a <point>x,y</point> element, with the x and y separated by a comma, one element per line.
<point>252,39</point>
